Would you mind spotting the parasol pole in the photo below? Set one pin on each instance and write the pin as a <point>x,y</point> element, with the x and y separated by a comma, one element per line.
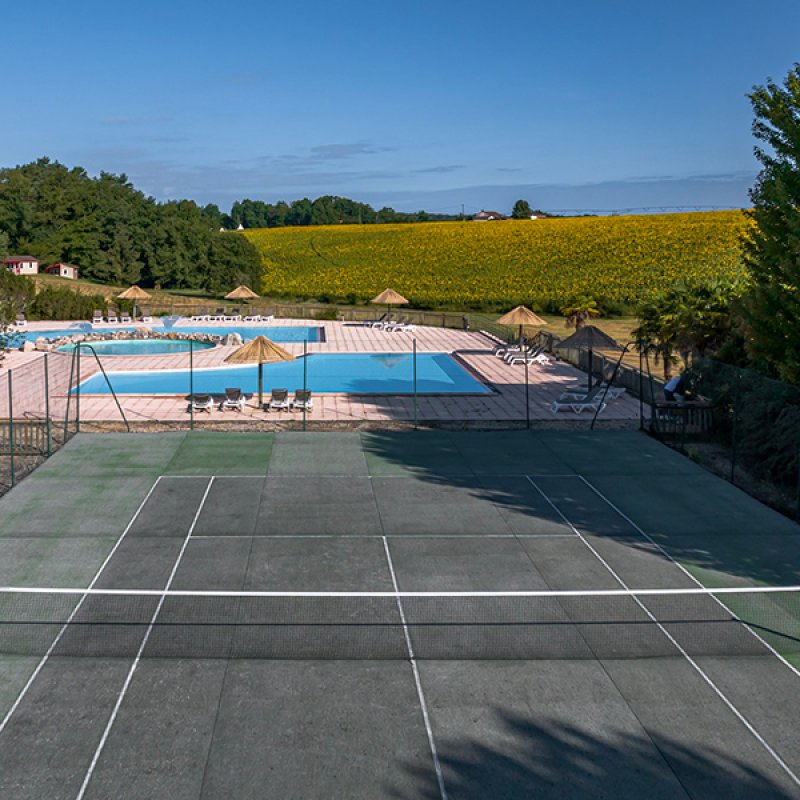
<point>191,385</point>
<point>260,383</point>
<point>305,380</point>
<point>527,398</point>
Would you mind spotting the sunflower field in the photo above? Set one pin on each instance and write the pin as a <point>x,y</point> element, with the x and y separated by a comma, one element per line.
<point>487,265</point>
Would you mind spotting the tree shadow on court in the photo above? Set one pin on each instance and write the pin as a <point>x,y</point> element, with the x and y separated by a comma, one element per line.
<point>553,759</point>
<point>494,472</point>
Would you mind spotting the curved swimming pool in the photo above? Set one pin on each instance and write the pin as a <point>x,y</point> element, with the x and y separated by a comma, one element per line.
<point>277,333</point>
<point>138,347</point>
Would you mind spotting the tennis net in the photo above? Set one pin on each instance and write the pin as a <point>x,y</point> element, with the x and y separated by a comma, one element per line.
<point>614,624</point>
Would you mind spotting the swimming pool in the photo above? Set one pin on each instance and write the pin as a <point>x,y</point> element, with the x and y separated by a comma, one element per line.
<point>138,347</point>
<point>345,373</point>
<point>277,333</point>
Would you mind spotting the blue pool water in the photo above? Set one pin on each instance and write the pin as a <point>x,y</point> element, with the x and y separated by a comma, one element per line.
<point>277,333</point>
<point>139,347</point>
<point>347,373</point>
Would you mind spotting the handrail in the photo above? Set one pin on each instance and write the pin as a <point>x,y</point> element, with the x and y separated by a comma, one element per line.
<point>76,357</point>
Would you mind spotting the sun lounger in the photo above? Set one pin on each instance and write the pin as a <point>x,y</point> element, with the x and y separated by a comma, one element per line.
<point>232,316</point>
<point>111,315</point>
<point>517,352</point>
<point>577,394</point>
<point>217,316</point>
<point>534,355</point>
<point>577,407</point>
<point>201,402</point>
<point>403,324</point>
<point>252,318</point>
<point>22,321</point>
<point>234,399</point>
<point>374,323</point>
<point>593,401</point>
<point>506,350</point>
<point>535,358</point>
<point>201,316</point>
<point>97,317</point>
<point>400,324</point>
<point>302,400</point>
<point>279,400</point>
<point>124,317</point>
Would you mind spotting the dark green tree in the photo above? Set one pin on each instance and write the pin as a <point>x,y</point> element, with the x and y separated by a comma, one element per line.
<point>113,232</point>
<point>521,210</point>
<point>772,250</point>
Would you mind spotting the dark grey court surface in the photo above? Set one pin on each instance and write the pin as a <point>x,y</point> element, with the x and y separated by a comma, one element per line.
<point>328,702</point>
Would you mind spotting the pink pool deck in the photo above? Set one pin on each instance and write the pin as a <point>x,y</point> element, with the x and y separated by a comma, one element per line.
<point>505,403</point>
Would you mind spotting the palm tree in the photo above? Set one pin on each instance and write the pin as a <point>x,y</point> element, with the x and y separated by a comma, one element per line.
<point>580,311</point>
<point>691,318</point>
<point>655,334</point>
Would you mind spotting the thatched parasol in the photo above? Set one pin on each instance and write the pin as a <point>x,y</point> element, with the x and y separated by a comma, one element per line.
<point>241,293</point>
<point>521,316</point>
<point>588,338</point>
<point>136,294</point>
<point>391,298</point>
<point>262,351</point>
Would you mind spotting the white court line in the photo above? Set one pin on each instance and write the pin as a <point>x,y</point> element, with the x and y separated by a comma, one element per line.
<point>380,536</point>
<point>94,580</point>
<point>556,593</point>
<point>415,669</point>
<point>135,664</point>
<point>685,571</point>
<point>408,476</point>
<point>700,671</point>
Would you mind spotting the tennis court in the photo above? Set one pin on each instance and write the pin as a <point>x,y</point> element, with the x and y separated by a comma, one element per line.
<point>419,614</point>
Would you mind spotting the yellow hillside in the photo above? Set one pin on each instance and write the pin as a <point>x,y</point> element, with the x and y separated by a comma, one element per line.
<point>480,265</point>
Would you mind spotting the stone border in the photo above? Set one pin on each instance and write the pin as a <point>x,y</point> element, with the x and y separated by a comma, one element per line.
<point>139,334</point>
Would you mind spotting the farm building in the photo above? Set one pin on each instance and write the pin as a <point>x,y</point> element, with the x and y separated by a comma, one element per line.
<point>485,216</point>
<point>21,265</point>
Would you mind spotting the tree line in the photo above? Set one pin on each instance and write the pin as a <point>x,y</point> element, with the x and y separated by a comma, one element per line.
<point>326,210</point>
<point>116,234</point>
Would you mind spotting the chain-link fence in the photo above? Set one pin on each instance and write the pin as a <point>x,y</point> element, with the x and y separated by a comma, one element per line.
<point>35,414</point>
<point>742,425</point>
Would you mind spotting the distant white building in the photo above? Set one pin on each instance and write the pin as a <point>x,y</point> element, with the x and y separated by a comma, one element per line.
<point>21,265</point>
<point>240,227</point>
<point>485,216</point>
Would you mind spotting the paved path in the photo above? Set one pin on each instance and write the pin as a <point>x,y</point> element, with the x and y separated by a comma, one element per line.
<point>506,403</point>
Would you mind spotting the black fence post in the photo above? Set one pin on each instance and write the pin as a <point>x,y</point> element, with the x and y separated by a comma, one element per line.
<point>734,426</point>
<point>47,408</point>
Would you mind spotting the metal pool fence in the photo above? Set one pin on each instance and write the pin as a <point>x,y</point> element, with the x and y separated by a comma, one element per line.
<point>34,418</point>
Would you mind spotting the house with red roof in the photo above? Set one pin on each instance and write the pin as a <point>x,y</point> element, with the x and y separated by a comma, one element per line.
<point>63,270</point>
<point>21,265</point>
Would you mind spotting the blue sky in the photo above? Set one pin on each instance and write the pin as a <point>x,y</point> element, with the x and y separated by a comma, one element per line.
<point>587,104</point>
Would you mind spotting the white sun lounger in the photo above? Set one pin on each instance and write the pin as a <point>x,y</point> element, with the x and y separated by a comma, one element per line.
<point>202,402</point>
<point>303,401</point>
<point>576,394</point>
<point>234,399</point>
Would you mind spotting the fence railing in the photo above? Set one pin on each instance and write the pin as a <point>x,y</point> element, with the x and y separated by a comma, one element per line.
<point>316,311</point>
<point>25,437</point>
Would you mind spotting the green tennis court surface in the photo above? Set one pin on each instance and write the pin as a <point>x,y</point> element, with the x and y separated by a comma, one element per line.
<point>237,618</point>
